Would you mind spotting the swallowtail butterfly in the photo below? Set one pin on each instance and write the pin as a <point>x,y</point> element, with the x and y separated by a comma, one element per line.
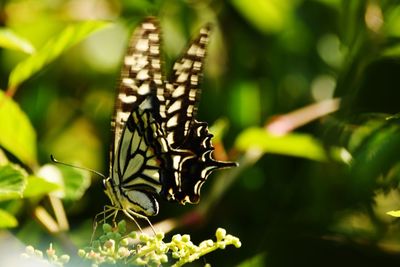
<point>158,147</point>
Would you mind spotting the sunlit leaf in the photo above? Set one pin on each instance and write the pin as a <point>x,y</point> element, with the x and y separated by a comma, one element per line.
<point>38,186</point>
<point>10,40</point>
<point>17,134</point>
<point>392,22</point>
<point>392,29</point>
<point>76,182</point>
<point>3,158</point>
<point>267,16</point>
<point>386,200</point>
<point>294,144</point>
<point>7,220</point>
<point>71,181</point>
<point>72,35</point>
<point>394,213</point>
<point>12,182</point>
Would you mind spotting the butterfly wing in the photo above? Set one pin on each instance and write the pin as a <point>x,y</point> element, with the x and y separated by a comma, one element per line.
<point>158,146</point>
<point>194,167</point>
<point>183,91</point>
<point>141,76</point>
<point>189,140</point>
<point>138,140</point>
<point>138,160</point>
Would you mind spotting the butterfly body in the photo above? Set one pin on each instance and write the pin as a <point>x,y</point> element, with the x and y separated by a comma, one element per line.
<point>158,147</point>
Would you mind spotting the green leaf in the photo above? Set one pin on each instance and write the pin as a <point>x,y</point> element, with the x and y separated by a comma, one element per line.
<point>72,35</point>
<point>38,186</point>
<point>257,260</point>
<point>12,182</point>
<point>394,213</point>
<point>78,142</point>
<point>7,220</point>
<point>294,144</point>
<point>247,95</point>
<point>10,40</point>
<point>3,157</point>
<point>266,16</point>
<point>218,129</point>
<point>392,22</point>
<point>17,134</point>
<point>71,181</point>
<point>76,182</point>
<point>378,150</point>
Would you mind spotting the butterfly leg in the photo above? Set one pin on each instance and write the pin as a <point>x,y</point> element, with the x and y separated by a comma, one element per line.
<point>142,217</point>
<point>133,219</point>
<point>106,210</point>
<point>151,226</point>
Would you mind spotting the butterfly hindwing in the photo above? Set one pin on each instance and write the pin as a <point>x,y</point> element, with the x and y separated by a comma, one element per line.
<point>194,167</point>
<point>138,161</point>
<point>190,140</point>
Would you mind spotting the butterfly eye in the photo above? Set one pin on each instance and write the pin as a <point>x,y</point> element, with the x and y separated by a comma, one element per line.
<point>105,181</point>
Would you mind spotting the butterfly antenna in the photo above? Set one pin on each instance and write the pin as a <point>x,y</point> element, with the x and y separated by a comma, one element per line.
<point>53,159</point>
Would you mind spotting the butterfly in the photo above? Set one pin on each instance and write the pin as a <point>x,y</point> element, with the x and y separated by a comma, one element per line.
<point>159,148</point>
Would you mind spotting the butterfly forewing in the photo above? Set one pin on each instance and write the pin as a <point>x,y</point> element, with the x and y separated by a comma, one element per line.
<point>140,76</point>
<point>183,90</point>
<point>135,149</point>
<point>190,140</point>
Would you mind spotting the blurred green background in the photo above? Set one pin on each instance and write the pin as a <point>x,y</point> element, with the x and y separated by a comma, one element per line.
<point>314,185</point>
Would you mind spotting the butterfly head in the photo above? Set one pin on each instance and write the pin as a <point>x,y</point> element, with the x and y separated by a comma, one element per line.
<point>108,189</point>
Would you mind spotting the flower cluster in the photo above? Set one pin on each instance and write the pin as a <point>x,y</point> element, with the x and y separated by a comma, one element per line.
<point>50,258</point>
<point>114,246</point>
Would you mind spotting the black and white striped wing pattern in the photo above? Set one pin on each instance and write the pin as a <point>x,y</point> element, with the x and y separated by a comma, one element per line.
<point>194,168</point>
<point>183,91</point>
<point>137,164</point>
<point>141,76</point>
<point>158,146</point>
<point>138,139</point>
<point>189,140</point>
